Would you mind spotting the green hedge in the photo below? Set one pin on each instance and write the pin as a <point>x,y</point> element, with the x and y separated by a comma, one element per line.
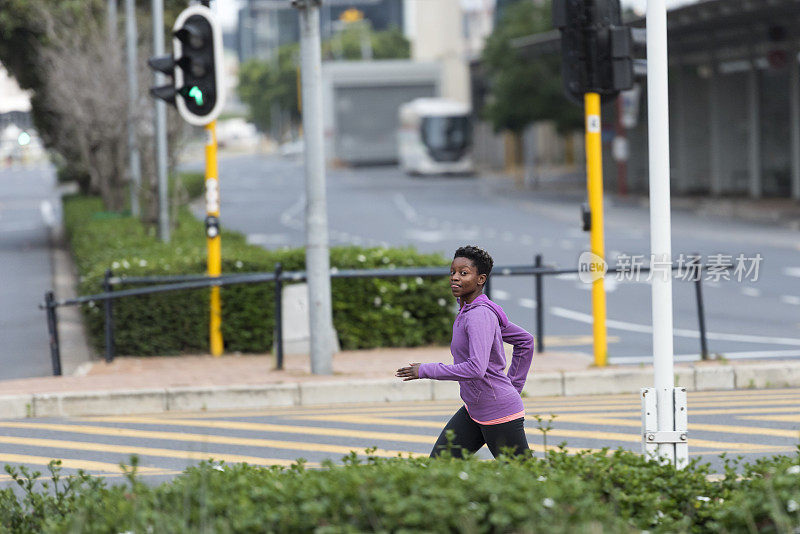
<point>396,312</point>
<point>562,494</point>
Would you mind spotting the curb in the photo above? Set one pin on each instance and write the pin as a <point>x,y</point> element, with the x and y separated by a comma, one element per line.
<point>212,398</point>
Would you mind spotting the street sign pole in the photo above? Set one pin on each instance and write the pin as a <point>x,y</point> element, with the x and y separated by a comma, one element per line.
<point>134,162</point>
<point>665,439</point>
<point>594,182</point>
<point>317,254</point>
<point>213,238</point>
<point>161,127</point>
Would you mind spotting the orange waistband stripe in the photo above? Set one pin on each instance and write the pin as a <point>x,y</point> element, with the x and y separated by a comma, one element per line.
<point>500,420</point>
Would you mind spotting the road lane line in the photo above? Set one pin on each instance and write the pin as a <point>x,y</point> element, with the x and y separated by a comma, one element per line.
<point>69,463</point>
<point>268,427</point>
<point>705,427</point>
<point>680,332</point>
<point>198,438</point>
<point>144,451</point>
<point>556,432</point>
<point>790,299</point>
<point>777,418</point>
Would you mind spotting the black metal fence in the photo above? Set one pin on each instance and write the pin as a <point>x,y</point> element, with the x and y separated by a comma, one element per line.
<point>164,284</point>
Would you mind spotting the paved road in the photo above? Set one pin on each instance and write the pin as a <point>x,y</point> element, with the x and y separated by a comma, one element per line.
<point>752,423</point>
<point>27,201</point>
<point>263,198</point>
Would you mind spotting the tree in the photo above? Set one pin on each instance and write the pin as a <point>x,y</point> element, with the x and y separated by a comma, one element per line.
<point>271,87</point>
<point>60,49</point>
<point>523,90</point>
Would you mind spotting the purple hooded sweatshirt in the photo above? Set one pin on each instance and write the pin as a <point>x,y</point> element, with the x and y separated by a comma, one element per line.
<point>479,361</point>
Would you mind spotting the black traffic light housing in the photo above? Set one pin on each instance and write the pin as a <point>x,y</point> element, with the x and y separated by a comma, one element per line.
<point>195,65</point>
<point>596,48</point>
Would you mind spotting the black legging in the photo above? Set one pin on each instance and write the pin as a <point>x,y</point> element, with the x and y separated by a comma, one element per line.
<point>471,436</point>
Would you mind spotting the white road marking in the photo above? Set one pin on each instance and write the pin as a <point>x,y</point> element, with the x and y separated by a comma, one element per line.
<point>426,236</point>
<point>765,354</point>
<point>792,271</point>
<point>790,299</point>
<point>751,292</point>
<point>48,213</point>
<point>528,303</point>
<point>408,211</point>
<point>267,239</point>
<point>499,294</point>
<point>289,216</point>
<point>680,332</point>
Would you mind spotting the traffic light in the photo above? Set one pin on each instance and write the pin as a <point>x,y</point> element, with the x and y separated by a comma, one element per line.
<point>197,88</point>
<point>595,48</point>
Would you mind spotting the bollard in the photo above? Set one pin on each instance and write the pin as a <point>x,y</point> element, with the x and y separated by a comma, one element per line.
<point>109,316</point>
<point>698,291</point>
<point>278,316</point>
<point>487,288</point>
<point>539,306</point>
<point>52,328</point>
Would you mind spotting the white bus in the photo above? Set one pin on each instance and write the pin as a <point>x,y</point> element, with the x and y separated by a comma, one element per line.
<point>435,137</point>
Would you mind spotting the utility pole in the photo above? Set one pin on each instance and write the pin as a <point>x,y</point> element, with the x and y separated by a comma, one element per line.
<point>161,126</point>
<point>133,95</point>
<point>669,440</point>
<point>317,255</point>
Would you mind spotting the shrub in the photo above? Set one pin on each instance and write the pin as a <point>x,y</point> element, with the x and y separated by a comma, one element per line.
<point>367,312</point>
<point>583,493</point>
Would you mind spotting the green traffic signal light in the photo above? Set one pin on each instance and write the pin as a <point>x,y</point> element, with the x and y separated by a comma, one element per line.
<point>197,94</point>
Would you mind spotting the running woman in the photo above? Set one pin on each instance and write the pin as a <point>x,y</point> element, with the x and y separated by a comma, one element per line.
<point>493,412</point>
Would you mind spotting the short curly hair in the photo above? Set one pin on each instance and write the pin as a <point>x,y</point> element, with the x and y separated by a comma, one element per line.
<point>479,257</point>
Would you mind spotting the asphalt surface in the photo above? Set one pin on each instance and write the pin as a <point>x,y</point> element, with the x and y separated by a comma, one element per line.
<point>262,197</point>
<point>28,202</point>
<point>751,423</point>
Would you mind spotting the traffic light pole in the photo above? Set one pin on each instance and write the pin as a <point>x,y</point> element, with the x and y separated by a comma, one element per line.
<point>135,167</point>
<point>213,238</point>
<point>317,254</point>
<point>161,127</point>
<point>594,183</point>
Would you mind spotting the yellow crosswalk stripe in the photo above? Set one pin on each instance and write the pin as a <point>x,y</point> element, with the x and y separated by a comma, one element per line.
<point>555,432</point>
<point>795,418</point>
<point>86,465</point>
<point>144,451</point>
<point>269,427</point>
<point>598,402</point>
<point>706,427</point>
<point>200,438</point>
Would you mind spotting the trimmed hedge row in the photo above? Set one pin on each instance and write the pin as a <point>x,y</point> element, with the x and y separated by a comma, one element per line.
<point>569,494</point>
<point>367,313</point>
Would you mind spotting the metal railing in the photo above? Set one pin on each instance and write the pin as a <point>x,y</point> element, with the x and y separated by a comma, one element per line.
<point>165,284</point>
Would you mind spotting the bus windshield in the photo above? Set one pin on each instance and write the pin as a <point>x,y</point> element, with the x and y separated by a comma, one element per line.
<point>446,138</point>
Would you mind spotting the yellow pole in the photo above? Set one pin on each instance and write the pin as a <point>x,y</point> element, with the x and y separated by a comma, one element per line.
<point>213,237</point>
<point>594,178</point>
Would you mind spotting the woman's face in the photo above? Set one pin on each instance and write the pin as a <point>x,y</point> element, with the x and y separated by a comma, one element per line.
<point>465,282</point>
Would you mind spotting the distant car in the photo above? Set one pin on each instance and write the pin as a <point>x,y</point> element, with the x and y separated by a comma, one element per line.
<point>435,137</point>
<point>292,148</point>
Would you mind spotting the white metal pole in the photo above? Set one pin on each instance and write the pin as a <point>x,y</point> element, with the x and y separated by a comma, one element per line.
<point>161,127</point>
<point>660,238</point>
<point>317,255</point>
<point>133,97</point>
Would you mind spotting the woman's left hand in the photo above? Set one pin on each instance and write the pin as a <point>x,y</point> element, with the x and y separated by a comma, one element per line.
<point>408,373</point>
